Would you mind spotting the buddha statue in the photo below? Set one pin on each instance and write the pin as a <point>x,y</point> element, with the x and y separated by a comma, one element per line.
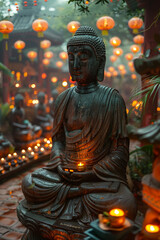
<point>86,174</point>
<point>42,118</point>
<point>23,130</point>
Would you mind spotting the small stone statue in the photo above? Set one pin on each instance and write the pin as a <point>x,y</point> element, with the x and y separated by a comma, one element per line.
<point>23,130</point>
<point>87,171</point>
<point>42,118</point>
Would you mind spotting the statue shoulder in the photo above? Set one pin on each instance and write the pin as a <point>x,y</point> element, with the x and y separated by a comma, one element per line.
<point>64,96</point>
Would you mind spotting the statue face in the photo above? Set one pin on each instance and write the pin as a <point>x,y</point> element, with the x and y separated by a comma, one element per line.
<point>83,64</point>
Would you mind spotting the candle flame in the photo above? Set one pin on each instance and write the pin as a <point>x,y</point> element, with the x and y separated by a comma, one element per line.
<point>117,212</point>
<point>152,228</point>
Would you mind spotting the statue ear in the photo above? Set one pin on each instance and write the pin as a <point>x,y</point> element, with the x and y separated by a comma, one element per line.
<point>100,74</point>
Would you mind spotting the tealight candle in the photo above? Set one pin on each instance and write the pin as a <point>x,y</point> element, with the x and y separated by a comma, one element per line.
<point>23,151</point>
<point>3,161</point>
<point>50,145</point>
<point>15,155</point>
<point>116,217</point>
<point>48,142</point>
<point>41,150</point>
<point>80,167</point>
<point>151,231</point>
<point>45,140</point>
<point>9,156</point>
<point>38,144</point>
<point>29,149</point>
<point>24,158</point>
<point>32,153</point>
<point>36,148</point>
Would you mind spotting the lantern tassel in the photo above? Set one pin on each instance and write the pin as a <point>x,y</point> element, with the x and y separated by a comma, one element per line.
<point>6,45</point>
<point>20,57</point>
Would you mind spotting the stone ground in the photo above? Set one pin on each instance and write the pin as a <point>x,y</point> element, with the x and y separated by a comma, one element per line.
<point>10,195</point>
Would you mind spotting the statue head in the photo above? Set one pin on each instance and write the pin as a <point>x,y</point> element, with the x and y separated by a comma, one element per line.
<point>41,97</point>
<point>86,53</point>
<point>19,100</point>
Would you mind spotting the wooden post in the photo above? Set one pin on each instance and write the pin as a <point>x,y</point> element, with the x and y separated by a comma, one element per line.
<point>40,67</point>
<point>5,83</point>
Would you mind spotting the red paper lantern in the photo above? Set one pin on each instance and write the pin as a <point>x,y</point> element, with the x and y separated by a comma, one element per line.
<point>130,64</point>
<point>31,55</point>
<point>113,58</point>
<point>111,69</point>
<point>115,41</point>
<point>115,74</point>
<point>19,45</point>
<point>107,74</point>
<point>44,75</point>
<point>104,24</point>
<point>48,54</point>
<point>139,39</point>
<point>118,51</point>
<point>45,44</point>
<point>46,61</point>
<point>63,55</point>
<point>135,23</point>
<point>121,67</point>
<point>59,64</point>
<point>134,48</point>
<point>6,27</point>
<point>133,76</point>
<point>73,26</point>
<point>40,25</point>
<point>129,56</point>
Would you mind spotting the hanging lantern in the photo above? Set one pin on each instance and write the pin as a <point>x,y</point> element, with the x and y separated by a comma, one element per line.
<point>48,54</point>
<point>115,74</point>
<point>63,55</point>
<point>59,64</point>
<point>32,55</point>
<point>132,69</point>
<point>139,39</point>
<point>123,72</point>
<point>118,51</point>
<point>40,25</point>
<point>73,26</point>
<point>111,69</point>
<point>130,64</point>
<point>115,41</point>
<point>104,24</point>
<point>54,79</point>
<point>121,67</point>
<point>6,27</point>
<point>113,58</point>
<point>46,61</point>
<point>134,48</point>
<point>135,23</point>
<point>45,44</point>
<point>19,45</point>
<point>64,83</point>
<point>107,74</point>
<point>44,75</point>
<point>133,76</point>
<point>129,56</point>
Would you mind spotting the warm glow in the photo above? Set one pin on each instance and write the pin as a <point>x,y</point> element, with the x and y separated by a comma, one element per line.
<point>19,45</point>
<point>38,144</point>
<point>135,23</point>
<point>25,74</point>
<point>32,153</point>
<point>18,76</point>
<point>44,75</point>
<point>133,76</point>
<point>152,228</point>
<point>117,212</point>
<point>9,155</point>
<point>111,69</point>
<point>48,54</point>
<point>54,79</point>
<point>139,39</point>
<point>134,103</point>
<point>115,41</point>
<point>130,64</point>
<point>113,58</point>
<point>129,56</point>
<point>35,148</point>
<point>80,164</point>
<point>59,64</point>
<point>115,74</point>
<point>29,149</point>
<point>45,44</point>
<point>63,55</point>
<point>118,51</point>
<point>73,26</point>
<point>15,154</point>
<point>11,106</point>
<point>17,85</point>
<point>107,74</point>
<point>23,151</point>
<point>3,160</point>
<point>72,85</point>
<point>33,85</point>
<point>45,140</point>
<point>6,27</point>
<point>127,110</point>
<point>46,61</point>
<point>121,67</point>
<point>158,109</point>
<point>40,25</point>
<point>105,23</point>
<point>135,48</point>
<point>32,55</point>
<point>42,149</point>
<point>64,84</point>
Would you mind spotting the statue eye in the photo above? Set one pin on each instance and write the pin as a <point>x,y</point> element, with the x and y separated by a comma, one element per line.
<point>84,56</point>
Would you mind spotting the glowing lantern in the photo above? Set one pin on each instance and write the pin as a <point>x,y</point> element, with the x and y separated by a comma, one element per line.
<point>45,44</point>
<point>63,55</point>
<point>134,48</point>
<point>107,74</point>
<point>135,23</point>
<point>19,45</point>
<point>111,69</point>
<point>46,61</point>
<point>130,64</point>
<point>104,24</point>
<point>40,25</point>
<point>6,27</point>
<point>118,51</point>
<point>32,55</point>
<point>54,79</point>
<point>123,72</point>
<point>59,64</point>
<point>129,56</point>
<point>64,83</point>
<point>48,54</point>
<point>113,58</point>
<point>73,26</point>
<point>115,41</point>
<point>133,76</point>
<point>115,74</point>
<point>139,39</point>
<point>44,75</point>
<point>121,67</point>
<point>132,69</point>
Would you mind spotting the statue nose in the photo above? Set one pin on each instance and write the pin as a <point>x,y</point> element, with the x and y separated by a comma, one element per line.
<point>76,64</point>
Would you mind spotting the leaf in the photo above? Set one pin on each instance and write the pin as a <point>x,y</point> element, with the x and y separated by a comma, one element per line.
<point>147,53</point>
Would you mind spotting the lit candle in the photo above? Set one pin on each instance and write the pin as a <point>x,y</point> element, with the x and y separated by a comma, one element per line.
<point>9,156</point>
<point>3,161</point>
<point>38,144</point>
<point>50,145</point>
<point>42,149</point>
<point>45,140</point>
<point>152,231</point>
<point>29,149</point>
<point>15,155</point>
<point>116,217</point>
<point>36,148</point>
<point>1,170</point>
<point>48,142</point>
<point>32,153</point>
<point>23,151</point>
<point>80,167</point>
<point>24,158</point>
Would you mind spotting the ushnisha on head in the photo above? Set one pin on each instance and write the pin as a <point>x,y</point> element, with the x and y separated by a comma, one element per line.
<point>86,36</point>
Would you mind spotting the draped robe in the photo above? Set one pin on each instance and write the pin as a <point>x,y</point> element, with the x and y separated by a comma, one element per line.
<point>90,128</point>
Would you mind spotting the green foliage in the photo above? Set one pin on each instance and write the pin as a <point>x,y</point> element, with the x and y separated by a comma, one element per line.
<point>140,161</point>
<point>4,111</point>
